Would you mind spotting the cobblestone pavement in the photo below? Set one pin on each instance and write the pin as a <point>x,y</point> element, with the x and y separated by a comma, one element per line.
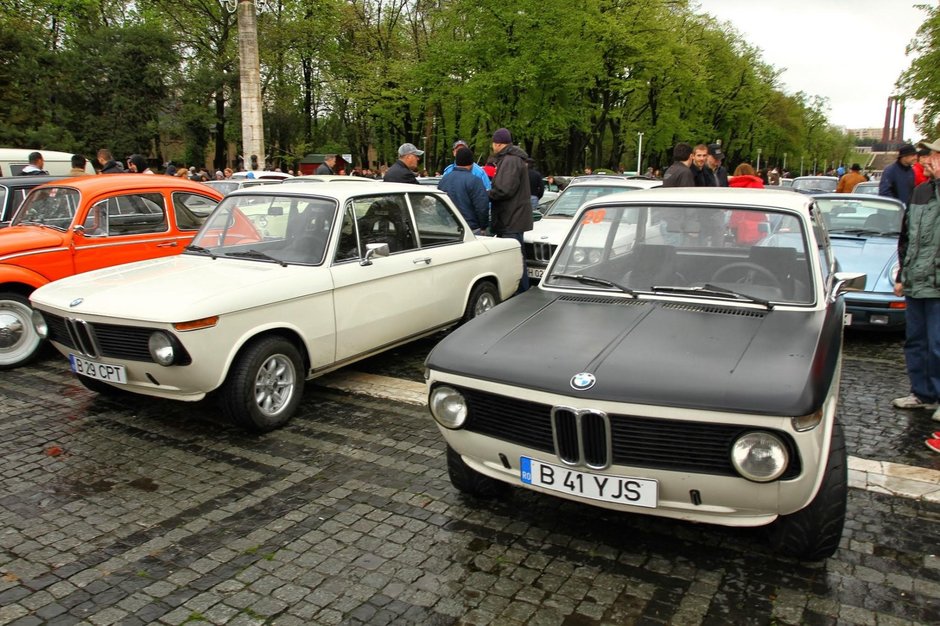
<point>135,510</point>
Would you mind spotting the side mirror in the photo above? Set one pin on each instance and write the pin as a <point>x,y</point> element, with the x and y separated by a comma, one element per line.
<point>374,250</point>
<point>848,281</point>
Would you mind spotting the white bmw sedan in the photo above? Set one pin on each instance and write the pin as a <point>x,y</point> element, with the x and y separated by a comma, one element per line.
<point>282,284</point>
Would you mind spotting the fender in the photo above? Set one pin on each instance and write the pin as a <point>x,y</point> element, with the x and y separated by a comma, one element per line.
<point>16,274</point>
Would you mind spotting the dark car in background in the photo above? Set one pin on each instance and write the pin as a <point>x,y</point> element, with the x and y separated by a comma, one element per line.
<point>13,190</point>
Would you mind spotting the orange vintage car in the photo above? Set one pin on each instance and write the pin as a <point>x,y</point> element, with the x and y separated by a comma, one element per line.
<point>75,225</point>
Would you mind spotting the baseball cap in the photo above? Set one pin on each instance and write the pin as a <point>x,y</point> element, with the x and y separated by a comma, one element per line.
<point>458,143</point>
<point>714,149</point>
<point>409,148</point>
<point>935,146</point>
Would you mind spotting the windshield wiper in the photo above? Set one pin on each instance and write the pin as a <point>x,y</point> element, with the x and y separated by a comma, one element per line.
<point>257,254</point>
<point>201,250</point>
<point>714,290</point>
<point>859,231</point>
<point>594,280</point>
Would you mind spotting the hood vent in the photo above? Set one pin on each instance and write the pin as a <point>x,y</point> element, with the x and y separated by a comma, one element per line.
<point>718,310</point>
<point>602,300</point>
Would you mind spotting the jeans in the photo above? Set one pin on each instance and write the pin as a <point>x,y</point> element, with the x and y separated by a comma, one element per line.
<point>922,347</point>
<point>524,283</point>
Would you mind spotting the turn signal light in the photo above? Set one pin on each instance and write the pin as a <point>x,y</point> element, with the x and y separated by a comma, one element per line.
<point>206,322</point>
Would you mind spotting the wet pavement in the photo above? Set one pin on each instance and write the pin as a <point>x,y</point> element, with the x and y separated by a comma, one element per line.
<point>135,510</point>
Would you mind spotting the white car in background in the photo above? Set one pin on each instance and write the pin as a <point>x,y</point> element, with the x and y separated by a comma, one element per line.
<point>547,233</point>
<point>283,283</point>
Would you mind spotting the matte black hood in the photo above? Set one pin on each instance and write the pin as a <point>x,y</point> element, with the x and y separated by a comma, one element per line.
<point>651,352</point>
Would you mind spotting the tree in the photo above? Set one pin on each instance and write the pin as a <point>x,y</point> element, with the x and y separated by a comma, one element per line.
<point>921,81</point>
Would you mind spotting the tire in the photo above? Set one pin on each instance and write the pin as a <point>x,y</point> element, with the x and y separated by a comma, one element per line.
<point>483,298</point>
<point>264,386</point>
<point>19,342</point>
<point>813,533</point>
<point>470,481</point>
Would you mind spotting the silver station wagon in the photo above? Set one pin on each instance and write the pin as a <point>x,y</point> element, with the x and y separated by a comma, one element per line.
<point>681,358</point>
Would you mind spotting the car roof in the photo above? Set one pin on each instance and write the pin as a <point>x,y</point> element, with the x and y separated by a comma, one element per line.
<point>326,178</point>
<point>336,190</point>
<point>725,196</point>
<point>28,181</point>
<point>860,197</point>
<point>108,182</point>
<point>613,180</point>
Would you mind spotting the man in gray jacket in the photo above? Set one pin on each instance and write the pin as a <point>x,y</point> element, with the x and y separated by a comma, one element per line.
<point>918,280</point>
<point>509,196</point>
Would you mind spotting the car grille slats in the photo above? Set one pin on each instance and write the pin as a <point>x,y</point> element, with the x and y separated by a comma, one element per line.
<point>107,340</point>
<point>634,440</point>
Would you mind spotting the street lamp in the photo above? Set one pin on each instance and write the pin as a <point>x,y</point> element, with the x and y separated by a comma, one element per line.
<point>758,160</point>
<point>801,165</point>
<point>639,154</point>
<point>784,161</point>
<point>249,67</point>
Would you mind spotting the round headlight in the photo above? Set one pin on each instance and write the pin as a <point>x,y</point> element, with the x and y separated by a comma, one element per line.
<point>161,348</point>
<point>39,324</point>
<point>594,256</point>
<point>895,270</point>
<point>578,255</point>
<point>448,407</point>
<point>759,456</point>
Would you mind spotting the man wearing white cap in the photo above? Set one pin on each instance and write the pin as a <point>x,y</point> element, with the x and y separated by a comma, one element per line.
<point>403,170</point>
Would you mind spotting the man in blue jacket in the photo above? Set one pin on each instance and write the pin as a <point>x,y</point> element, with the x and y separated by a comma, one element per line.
<point>476,169</point>
<point>467,192</point>
<point>897,181</point>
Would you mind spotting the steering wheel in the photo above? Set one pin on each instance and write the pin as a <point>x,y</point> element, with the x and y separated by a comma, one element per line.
<point>748,271</point>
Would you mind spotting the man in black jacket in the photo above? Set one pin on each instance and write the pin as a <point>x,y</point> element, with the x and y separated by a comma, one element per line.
<point>107,163</point>
<point>35,167</point>
<point>403,170</point>
<point>536,185</point>
<point>509,196</point>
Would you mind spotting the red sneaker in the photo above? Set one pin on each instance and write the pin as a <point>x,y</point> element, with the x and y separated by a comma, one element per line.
<point>933,444</point>
<point>935,435</point>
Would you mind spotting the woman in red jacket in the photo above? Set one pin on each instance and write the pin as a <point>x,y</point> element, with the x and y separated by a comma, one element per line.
<point>745,224</point>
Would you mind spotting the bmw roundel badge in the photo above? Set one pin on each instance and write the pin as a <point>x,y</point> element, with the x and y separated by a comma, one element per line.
<point>76,302</point>
<point>583,381</point>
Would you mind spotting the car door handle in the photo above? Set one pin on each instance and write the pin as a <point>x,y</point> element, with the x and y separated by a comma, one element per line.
<point>426,260</point>
<point>168,244</point>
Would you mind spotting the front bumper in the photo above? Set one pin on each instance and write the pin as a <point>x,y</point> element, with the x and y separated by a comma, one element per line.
<point>711,495</point>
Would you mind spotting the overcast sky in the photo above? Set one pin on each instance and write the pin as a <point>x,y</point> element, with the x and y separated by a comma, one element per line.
<point>849,51</point>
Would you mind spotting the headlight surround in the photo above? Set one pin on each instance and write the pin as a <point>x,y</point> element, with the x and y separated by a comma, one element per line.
<point>578,255</point>
<point>39,324</point>
<point>448,407</point>
<point>594,256</point>
<point>162,348</point>
<point>759,456</point>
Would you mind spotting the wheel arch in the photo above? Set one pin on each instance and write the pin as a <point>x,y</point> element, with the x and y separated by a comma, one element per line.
<point>284,332</point>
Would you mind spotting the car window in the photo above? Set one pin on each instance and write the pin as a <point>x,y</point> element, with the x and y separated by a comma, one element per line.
<point>435,220</point>
<point>131,214</point>
<point>688,250</point>
<point>191,209</point>
<point>571,199</point>
<point>50,206</point>
<point>865,216</point>
<point>348,247</point>
<point>826,258</point>
<point>386,220</point>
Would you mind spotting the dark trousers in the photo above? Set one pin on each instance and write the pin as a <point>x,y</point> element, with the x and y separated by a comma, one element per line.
<point>524,283</point>
<point>922,347</point>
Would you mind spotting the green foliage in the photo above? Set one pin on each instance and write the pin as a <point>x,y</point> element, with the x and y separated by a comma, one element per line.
<point>921,81</point>
<point>575,83</point>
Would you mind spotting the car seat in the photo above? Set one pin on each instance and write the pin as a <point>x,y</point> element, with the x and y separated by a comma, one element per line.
<point>383,223</point>
<point>653,265</point>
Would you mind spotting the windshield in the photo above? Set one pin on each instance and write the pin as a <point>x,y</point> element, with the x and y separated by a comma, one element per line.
<point>866,188</point>
<point>823,184</point>
<point>49,206</point>
<point>740,253</point>
<point>874,216</point>
<point>571,199</point>
<point>268,228</point>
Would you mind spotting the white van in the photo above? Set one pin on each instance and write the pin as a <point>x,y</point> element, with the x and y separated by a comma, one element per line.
<point>13,160</point>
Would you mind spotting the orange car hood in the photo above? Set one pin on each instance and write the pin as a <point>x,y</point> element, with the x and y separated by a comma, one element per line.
<point>26,238</point>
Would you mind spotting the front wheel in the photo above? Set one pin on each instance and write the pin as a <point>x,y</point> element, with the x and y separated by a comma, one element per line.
<point>19,342</point>
<point>483,298</point>
<point>264,386</point>
<point>813,533</point>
